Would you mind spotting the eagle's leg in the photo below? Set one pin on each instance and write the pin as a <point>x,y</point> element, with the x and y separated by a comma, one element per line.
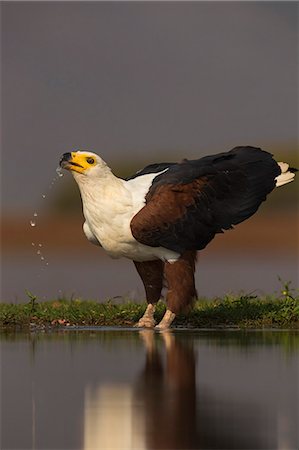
<point>181,287</point>
<point>151,273</point>
<point>147,320</point>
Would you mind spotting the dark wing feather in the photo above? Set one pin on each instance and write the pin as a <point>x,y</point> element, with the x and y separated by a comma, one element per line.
<point>191,202</point>
<point>152,168</point>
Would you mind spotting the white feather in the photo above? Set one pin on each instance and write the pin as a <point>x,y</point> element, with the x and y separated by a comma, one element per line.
<point>89,234</point>
<point>140,186</point>
<point>286,176</point>
<point>109,204</point>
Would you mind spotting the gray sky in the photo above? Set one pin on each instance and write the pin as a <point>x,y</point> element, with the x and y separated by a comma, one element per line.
<point>141,80</point>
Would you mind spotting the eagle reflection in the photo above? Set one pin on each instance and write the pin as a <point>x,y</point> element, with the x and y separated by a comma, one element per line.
<point>163,409</point>
<point>167,387</point>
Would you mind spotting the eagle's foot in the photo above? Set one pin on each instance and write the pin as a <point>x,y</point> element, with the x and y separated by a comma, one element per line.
<point>167,320</point>
<point>147,320</point>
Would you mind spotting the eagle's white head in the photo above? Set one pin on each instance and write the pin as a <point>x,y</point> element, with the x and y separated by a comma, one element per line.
<point>85,164</point>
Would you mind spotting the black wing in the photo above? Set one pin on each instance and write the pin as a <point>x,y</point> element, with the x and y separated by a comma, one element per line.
<point>193,200</point>
<point>151,168</point>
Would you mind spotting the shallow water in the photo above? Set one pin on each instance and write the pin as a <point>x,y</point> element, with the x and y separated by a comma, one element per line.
<point>111,388</point>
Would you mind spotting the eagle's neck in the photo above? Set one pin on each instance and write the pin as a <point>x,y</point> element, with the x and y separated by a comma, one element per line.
<point>103,197</point>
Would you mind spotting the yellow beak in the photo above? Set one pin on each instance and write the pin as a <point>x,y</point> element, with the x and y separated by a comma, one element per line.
<point>75,161</point>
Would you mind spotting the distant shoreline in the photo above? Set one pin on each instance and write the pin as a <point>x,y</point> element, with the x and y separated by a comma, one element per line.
<point>273,232</point>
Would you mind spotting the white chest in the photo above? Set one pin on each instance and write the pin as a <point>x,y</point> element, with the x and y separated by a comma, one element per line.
<point>109,222</point>
<point>108,211</point>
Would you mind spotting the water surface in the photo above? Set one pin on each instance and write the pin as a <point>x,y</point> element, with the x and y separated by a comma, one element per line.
<point>126,389</point>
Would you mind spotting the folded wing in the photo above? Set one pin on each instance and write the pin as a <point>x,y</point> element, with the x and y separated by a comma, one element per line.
<point>193,200</point>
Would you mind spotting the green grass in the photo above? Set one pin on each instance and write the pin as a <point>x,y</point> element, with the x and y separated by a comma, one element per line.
<point>244,311</point>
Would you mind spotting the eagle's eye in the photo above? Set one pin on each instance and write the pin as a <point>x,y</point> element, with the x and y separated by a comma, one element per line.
<point>90,160</point>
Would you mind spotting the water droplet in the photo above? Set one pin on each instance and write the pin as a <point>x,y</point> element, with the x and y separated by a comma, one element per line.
<point>43,195</point>
<point>42,258</point>
<point>32,223</point>
<point>47,263</point>
<point>38,252</point>
<point>40,245</point>
<point>35,214</point>
<point>59,171</point>
<point>33,244</point>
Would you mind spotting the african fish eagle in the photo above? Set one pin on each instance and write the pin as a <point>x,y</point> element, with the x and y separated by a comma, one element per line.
<point>160,216</point>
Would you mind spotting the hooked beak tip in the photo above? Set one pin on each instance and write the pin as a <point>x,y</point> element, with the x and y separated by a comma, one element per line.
<point>65,160</point>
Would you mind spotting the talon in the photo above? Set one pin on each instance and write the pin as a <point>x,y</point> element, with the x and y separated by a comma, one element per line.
<point>167,320</point>
<point>147,320</point>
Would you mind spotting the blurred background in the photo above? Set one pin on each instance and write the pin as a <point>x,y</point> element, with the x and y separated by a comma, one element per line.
<point>141,82</point>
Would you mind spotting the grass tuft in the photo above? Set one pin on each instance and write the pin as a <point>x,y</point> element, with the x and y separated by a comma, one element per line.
<point>245,311</point>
